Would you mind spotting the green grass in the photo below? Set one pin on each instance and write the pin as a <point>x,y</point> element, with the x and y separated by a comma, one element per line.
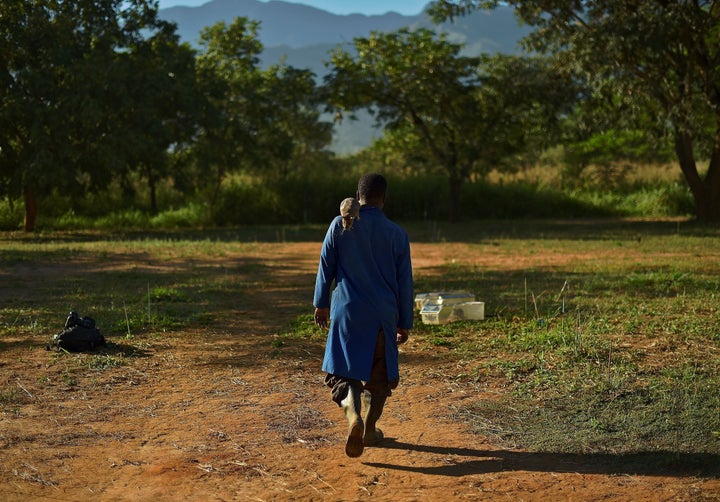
<point>10,396</point>
<point>601,336</point>
<point>540,192</point>
<point>612,346</point>
<point>302,328</point>
<point>152,290</point>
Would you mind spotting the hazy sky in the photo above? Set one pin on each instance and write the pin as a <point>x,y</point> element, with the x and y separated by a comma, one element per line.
<point>407,7</point>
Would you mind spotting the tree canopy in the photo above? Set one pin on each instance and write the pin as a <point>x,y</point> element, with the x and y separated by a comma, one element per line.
<point>663,56</point>
<point>254,120</point>
<point>93,91</point>
<point>75,76</point>
<point>101,90</point>
<point>467,113</point>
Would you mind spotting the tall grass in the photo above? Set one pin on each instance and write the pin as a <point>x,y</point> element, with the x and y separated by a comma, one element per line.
<point>539,192</point>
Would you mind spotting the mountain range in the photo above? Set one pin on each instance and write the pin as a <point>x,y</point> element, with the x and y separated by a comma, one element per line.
<point>302,37</point>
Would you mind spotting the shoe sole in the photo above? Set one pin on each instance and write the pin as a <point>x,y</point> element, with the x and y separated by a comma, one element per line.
<point>354,446</point>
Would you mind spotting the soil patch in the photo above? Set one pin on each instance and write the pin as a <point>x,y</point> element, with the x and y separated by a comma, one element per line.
<point>220,413</point>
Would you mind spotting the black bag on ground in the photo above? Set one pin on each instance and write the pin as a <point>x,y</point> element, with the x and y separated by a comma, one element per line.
<point>80,334</point>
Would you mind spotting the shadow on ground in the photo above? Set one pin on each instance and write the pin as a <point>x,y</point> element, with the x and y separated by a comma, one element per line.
<point>658,463</point>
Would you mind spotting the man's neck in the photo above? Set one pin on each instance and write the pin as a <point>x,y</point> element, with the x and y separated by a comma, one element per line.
<point>372,203</point>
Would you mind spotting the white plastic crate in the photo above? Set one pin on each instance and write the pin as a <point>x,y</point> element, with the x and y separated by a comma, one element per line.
<point>471,311</point>
<point>432,313</point>
<point>454,297</point>
<point>442,298</point>
<point>422,299</point>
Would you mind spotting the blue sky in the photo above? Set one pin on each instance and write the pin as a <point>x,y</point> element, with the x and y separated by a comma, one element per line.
<point>407,7</point>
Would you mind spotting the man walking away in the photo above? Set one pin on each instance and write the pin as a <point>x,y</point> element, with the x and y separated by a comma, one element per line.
<point>370,314</point>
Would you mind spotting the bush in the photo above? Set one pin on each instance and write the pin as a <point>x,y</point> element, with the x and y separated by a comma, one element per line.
<point>522,200</point>
<point>247,202</point>
<point>11,215</point>
<point>315,198</point>
<point>191,216</point>
<point>131,219</point>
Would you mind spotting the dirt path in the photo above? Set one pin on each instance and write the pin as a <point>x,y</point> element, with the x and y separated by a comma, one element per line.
<point>222,414</point>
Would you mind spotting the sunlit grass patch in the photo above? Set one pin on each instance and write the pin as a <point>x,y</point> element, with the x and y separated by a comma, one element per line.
<point>615,352</point>
<point>598,336</point>
<point>301,328</point>
<point>168,294</point>
<point>105,361</point>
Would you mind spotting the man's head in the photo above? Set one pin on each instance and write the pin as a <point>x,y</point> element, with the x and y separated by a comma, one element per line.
<point>372,189</point>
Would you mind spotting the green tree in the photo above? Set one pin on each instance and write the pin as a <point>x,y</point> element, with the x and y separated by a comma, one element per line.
<point>228,77</point>
<point>602,133</point>
<point>413,79</point>
<point>66,70</point>
<point>260,121</point>
<point>160,111</point>
<point>295,137</point>
<point>469,113</point>
<point>665,54</point>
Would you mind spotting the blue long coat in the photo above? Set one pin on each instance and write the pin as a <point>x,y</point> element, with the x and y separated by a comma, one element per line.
<point>370,264</point>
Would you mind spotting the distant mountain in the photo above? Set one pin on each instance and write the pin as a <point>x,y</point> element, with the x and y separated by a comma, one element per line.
<point>283,23</point>
<point>302,37</point>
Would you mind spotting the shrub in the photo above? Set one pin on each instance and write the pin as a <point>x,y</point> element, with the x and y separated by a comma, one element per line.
<point>11,215</point>
<point>190,216</point>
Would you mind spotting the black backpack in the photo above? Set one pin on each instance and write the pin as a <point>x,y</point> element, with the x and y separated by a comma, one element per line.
<point>80,335</point>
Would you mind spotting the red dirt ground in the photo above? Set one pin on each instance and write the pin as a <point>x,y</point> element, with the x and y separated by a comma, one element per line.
<point>218,414</point>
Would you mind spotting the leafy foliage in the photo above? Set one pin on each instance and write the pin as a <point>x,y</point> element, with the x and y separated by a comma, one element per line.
<point>66,119</point>
<point>661,57</point>
<point>254,120</point>
<point>104,111</point>
<point>462,115</point>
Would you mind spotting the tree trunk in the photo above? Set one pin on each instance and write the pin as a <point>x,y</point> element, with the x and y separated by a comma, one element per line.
<point>455,189</point>
<point>216,192</point>
<point>153,196</point>
<point>128,191</point>
<point>31,209</point>
<point>712,182</point>
<point>706,193</point>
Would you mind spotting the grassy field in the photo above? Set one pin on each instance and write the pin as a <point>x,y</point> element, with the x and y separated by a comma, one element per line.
<point>601,336</point>
<point>610,342</point>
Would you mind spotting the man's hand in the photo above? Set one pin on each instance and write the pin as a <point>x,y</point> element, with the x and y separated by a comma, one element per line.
<point>402,335</point>
<point>322,317</point>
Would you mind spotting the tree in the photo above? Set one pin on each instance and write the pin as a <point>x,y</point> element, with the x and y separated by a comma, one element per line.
<point>160,112</point>
<point>295,137</point>
<point>66,72</point>
<point>601,133</point>
<point>228,77</point>
<point>661,52</point>
<point>466,115</point>
<point>415,80</point>
<point>253,120</point>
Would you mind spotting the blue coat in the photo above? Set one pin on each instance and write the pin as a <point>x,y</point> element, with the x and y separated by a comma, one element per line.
<point>370,264</point>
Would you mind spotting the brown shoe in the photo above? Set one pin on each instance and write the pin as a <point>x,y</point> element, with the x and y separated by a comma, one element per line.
<point>351,406</point>
<point>373,410</point>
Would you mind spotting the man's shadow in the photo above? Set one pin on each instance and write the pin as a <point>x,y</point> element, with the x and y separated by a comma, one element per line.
<point>656,463</point>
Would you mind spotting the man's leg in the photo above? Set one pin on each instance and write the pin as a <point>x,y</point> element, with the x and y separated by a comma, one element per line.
<point>374,405</point>
<point>377,390</point>
<point>347,394</point>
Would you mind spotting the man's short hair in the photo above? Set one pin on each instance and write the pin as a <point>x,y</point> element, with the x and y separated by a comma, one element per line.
<point>372,186</point>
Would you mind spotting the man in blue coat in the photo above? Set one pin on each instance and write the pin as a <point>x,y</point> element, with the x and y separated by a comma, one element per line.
<point>371,311</point>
